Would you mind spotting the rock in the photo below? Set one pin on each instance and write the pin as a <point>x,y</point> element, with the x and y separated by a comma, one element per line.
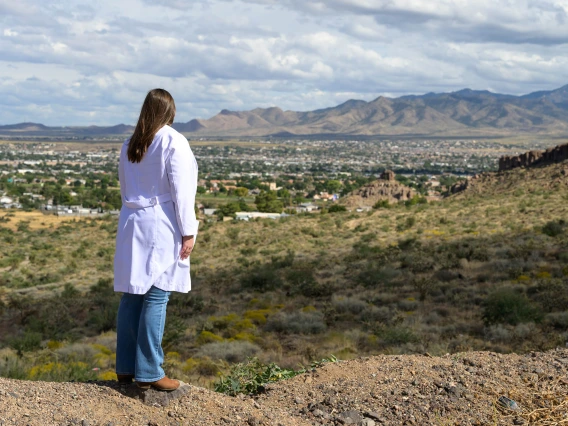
<point>350,417</point>
<point>380,190</point>
<point>533,158</point>
<point>154,397</point>
<point>298,400</point>
<point>318,413</point>
<point>388,175</point>
<point>253,421</point>
<point>367,422</point>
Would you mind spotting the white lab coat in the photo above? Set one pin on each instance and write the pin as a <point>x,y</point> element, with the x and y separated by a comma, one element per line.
<point>158,199</point>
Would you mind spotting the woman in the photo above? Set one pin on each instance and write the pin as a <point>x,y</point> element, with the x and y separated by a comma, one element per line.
<point>156,233</point>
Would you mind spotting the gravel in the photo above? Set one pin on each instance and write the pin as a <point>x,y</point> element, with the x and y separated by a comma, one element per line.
<point>459,389</point>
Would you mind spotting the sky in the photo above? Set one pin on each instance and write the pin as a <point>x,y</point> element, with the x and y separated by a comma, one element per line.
<point>77,62</point>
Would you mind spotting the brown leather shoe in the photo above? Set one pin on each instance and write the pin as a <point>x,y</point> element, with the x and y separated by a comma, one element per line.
<point>125,379</point>
<point>164,384</point>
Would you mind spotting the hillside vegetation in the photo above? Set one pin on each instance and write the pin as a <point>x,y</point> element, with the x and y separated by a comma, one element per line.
<point>483,270</point>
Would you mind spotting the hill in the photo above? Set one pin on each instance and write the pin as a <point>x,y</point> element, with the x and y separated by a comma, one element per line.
<point>462,113</point>
<point>466,112</point>
<point>482,270</point>
<point>459,389</point>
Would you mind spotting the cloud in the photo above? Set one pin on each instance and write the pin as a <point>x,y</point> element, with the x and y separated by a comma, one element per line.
<point>71,62</point>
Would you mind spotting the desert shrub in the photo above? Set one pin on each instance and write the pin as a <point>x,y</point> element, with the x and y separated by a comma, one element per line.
<point>296,323</point>
<point>249,251</point>
<point>59,372</point>
<point>418,262</point>
<point>498,333</point>
<point>446,276</point>
<point>554,228</point>
<point>285,261</point>
<point>397,335</point>
<point>417,199</point>
<point>303,281</point>
<point>69,291</point>
<point>337,208</point>
<point>407,305</point>
<point>53,319</point>
<point>230,351</point>
<point>76,352</point>
<point>373,276</point>
<point>507,306</point>
<point>408,243</point>
<point>558,320</point>
<point>257,316</point>
<point>205,337</point>
<point>174,331</point>
<point>379,314</point>
<point>551,295</point>
<point>26,342</point>
<point>382,204</point>
<point>349,305</point>
<point>12,367</point>
<point>262,278</point>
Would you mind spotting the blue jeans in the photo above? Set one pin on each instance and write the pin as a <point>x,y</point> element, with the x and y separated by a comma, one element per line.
<point>139,330</point>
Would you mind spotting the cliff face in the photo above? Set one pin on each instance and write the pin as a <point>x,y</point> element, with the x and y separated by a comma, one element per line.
<point>534,158</point>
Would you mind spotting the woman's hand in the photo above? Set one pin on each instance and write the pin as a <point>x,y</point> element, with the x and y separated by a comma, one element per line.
<point>186,246</point>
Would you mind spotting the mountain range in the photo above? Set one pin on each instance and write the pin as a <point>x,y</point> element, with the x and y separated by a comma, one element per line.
<point>464,113</point>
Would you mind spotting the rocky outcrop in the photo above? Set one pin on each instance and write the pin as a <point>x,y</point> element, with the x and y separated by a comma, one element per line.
<point>459,187</point>
<point>388,175</point>
<point>386,188</point>
<point>534,158</point>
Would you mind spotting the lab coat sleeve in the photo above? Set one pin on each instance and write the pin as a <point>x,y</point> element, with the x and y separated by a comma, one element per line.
<point>182,175</point>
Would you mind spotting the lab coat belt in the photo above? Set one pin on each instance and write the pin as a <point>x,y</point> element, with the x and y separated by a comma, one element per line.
<point>142,203</point>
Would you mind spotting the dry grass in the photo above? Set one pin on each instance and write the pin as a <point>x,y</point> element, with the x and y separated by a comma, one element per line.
<point>545,405</point>
<point>36,219</point>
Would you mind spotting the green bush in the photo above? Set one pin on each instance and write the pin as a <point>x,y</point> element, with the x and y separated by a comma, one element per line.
<point>381,204</point>
<point>337,208</point>
<point>250,378</point>
<point>397,335</point>
<point>28,341</point>
<point>302,281</point>
<point>507,306</point>
<point>554,228</point>
<point>263,278</point>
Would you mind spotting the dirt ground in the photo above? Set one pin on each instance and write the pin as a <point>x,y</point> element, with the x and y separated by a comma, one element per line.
<point>459,389</point>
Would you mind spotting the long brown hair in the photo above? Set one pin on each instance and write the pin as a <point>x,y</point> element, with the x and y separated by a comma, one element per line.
<point>158,110</point>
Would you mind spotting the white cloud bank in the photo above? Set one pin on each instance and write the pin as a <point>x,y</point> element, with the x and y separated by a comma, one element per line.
<point>79,63</point>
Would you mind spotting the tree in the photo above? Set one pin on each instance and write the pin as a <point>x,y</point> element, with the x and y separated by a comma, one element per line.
<point>333,186</point>
<point>230,209</point>
<point>241,192</point>
<point>201,190</point>
<point>284,194</point>
<point>267,202</point>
